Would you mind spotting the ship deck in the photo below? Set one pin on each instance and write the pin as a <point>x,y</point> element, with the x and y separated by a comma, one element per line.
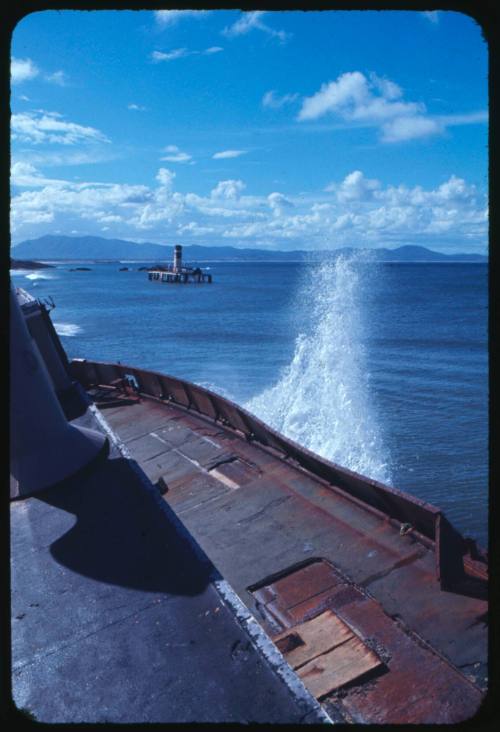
<point>299,549</point>
<point>117,616</point>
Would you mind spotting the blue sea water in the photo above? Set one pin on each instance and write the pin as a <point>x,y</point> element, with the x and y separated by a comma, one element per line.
<point>382,368</point>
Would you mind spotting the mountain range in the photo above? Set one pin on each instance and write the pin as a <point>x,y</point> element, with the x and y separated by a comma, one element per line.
<point>95,248</point>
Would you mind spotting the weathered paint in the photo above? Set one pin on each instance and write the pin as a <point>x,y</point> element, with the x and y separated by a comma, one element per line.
<point>259,505</point>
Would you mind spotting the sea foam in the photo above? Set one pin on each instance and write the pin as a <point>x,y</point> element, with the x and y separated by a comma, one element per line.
<point>322,399</point>
<point>67,329</point>
<point>39,276</point>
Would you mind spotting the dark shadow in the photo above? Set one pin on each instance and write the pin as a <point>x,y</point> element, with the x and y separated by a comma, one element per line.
<point>122,535</point>
<point>451,550</point>
<point>74,401</point>
<point>464,584</point>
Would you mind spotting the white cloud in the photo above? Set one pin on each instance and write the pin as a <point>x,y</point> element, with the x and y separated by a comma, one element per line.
<point>353,97</point>
<point>70,201</point>
<point>355,187</point>
<point>25,174</point>
<point>409,128</point>
<point>279,203</point>
<point>179,157</point>
<point>69,155</point>
<point>171,17</point>
<point>471,118</point>
<point>273,101</point>
<point>253,21</point>
<point>376,101</point>
<point>389,89</point>
<point>159,56</point>
<point>165,178</point>
<point>454,189</point>
<point>175,155</point>
<point>228,154</point>
<point>136,107</point>
<point>23,70</point>
<point>48,127</point>
<point>58,77</point>
<point>228,189</point>
<point>194,229</point>
<point>356,211</point>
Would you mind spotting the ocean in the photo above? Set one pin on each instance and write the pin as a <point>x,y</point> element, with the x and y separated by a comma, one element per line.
<point>381,368</point>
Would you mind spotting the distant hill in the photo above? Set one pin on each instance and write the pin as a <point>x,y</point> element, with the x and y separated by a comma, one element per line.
<point>97,248</point>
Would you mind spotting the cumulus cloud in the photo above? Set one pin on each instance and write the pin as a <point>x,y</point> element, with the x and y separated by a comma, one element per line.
<point>355,187</point>
<point>23,70</point>
<point>228,189</point>
<point>354,97</point>
<point>253,21</point>
<point>228,154</point>
<point>279,203</point>
<point>378,101</point>
<point>165,178</point>
<point>355,211</point>
<point>49,127</point>
<point>274,101</point>
<point>136,107</point>
<point>24,174</point>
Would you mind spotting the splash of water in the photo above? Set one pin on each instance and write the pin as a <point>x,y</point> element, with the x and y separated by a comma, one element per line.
<point>67,329</point>
<point>39,276</point>
<point>322,399</point>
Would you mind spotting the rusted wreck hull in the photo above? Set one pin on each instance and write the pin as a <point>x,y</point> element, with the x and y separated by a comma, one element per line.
<point>314,550</point>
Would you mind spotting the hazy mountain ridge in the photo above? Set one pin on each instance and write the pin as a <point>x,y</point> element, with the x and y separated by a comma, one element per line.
<point>98,248</point>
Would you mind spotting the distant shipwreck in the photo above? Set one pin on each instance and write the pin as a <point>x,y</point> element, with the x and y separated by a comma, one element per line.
<point>177,273</point>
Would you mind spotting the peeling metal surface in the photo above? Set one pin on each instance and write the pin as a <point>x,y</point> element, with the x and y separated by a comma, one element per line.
<point>416,684</point>
<point>396,572</point>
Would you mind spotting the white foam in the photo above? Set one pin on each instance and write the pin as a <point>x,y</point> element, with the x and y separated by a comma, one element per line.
<point>67,329</point>
<point>39,276</point>
<point>322,399</point>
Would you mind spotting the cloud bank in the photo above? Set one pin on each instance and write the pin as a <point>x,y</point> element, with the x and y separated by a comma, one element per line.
<point>356,211</point>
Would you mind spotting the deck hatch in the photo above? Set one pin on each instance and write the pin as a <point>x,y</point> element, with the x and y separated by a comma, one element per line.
<point>326,653</point>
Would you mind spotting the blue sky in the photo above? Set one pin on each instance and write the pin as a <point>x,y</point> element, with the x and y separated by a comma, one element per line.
<point>279,130</point>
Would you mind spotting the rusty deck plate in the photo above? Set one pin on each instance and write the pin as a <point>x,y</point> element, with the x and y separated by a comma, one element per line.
<point>261,516</point>
<point>406,668</point>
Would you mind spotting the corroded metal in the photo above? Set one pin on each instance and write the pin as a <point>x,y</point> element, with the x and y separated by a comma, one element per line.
<point>297,536</point>
<point>425,520</point>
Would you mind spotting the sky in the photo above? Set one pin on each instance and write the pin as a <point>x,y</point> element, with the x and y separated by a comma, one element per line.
<point>271,130</point>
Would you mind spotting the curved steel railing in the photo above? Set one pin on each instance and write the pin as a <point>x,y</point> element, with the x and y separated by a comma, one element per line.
<point>389,501</point>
